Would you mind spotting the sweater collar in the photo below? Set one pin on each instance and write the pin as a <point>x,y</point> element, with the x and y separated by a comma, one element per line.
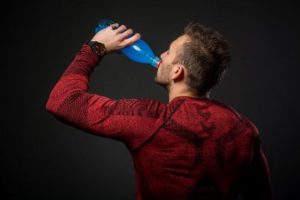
<point>180,98</point>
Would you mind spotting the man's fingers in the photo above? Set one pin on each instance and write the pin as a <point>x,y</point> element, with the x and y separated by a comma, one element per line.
<point>130,40</point>
<point>126,34</point>
<point>121,29</point>
<point>114,26</point>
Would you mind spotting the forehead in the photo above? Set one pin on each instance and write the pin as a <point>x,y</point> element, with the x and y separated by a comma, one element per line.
<point>178,42</point>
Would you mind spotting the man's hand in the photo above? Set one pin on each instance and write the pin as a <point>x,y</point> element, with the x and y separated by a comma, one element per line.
<point>116,37</point>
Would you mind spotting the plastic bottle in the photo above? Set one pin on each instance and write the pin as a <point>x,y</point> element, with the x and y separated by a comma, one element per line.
<point>138,51</point>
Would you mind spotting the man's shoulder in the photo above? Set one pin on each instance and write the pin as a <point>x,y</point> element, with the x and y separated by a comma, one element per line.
<point>140,106</point>
<point>226,108</point>
<point>240,116</point>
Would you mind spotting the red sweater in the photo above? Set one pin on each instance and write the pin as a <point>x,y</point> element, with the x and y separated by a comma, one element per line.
<point>188,148</point>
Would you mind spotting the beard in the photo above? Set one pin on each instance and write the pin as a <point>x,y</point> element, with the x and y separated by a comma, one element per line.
<point>162,76</point>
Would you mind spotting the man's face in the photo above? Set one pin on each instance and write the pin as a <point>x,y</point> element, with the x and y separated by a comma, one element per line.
<point>163,74</point>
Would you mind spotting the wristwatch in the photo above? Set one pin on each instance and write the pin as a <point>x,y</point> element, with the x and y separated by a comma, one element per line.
<point>97,47</point>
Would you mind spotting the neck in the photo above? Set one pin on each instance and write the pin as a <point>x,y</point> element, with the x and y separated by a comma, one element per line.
<point>173,95</point>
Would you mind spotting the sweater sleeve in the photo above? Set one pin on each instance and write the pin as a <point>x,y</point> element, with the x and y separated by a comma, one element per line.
<point>129,120</point>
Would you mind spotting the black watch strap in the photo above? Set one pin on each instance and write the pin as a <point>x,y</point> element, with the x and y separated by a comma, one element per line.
<point>97,47</point>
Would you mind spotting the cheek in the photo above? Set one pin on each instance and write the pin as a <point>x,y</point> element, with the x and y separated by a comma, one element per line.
<point>164,69</point>
<point>165,60</point>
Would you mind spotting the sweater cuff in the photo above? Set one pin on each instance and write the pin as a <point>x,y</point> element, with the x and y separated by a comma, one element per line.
<point>87,51</point>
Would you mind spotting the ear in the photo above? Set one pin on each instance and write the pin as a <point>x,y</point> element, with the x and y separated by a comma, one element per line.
<point>177,73</point>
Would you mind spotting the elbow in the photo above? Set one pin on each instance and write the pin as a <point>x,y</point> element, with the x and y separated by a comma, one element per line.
<point>50,106</point>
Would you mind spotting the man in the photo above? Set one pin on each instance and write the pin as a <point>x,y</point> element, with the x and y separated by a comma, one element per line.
<point>192,147</point>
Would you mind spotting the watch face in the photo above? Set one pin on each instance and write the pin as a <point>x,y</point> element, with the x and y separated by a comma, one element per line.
<point>98,48</point>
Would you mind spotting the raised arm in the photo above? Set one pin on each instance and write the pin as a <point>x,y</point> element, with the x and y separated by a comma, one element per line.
<point>70,101</point>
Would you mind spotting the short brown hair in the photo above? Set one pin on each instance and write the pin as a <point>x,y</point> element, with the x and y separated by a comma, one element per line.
<point>206,57</point>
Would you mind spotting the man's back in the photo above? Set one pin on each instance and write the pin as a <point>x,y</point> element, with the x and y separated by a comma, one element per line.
<point>201,149</point>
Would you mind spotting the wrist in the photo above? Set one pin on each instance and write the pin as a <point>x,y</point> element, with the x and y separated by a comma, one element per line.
<point>97,47</point>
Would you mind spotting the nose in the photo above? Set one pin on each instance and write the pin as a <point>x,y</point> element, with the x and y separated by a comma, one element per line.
<point>163,55</point>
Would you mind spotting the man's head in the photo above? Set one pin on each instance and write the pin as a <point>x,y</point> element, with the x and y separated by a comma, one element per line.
<point>195,61</point>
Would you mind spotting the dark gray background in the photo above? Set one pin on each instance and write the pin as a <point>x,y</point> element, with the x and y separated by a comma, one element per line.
<point>42,158</point>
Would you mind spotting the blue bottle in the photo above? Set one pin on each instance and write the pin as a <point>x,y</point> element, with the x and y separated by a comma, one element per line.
<point>138,51</point>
